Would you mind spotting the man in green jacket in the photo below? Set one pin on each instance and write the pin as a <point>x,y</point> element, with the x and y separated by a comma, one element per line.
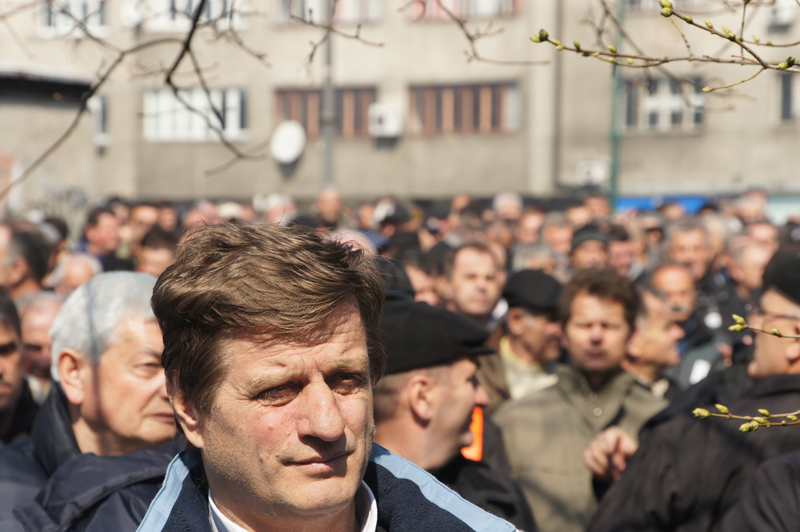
<point>547,431</point>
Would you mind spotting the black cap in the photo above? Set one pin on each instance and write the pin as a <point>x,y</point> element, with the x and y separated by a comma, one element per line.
<point>532,290</point>
<point>417,335</point>
<point>785,278</point>
<point>586,233</point>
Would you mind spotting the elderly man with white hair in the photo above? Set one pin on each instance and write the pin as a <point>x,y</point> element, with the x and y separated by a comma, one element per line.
<point>108,396</point>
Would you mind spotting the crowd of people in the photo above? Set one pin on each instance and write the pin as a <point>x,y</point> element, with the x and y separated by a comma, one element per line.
<point>542,364</point>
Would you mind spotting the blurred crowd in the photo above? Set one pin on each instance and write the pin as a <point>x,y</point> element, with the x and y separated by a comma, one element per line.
<point>604,329</point>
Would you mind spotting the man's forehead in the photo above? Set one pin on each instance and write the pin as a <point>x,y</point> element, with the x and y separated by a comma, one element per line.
<point>345,319</point>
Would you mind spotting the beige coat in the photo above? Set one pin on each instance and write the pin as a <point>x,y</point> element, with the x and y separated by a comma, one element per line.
<point>546,433</point>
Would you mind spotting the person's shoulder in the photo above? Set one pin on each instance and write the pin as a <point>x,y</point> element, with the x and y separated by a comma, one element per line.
<point>18,464</point>
<point>771,499</point>
<point>410,498</point>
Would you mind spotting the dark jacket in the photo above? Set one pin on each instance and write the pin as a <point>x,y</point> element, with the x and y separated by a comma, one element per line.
<point>688,472</point>
<point>771,500</point>
<point>99,494</point>
<point>26,466</point>
<point>724,387</point>
<point>488,489</point>
<point>408,499</point>
<point>24,414</point>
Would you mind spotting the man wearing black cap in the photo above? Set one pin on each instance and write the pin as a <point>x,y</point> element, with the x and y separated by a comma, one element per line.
<point>526,357</point>
<point>589,248</point>
<point>423,407</point>
<point>688,473</point>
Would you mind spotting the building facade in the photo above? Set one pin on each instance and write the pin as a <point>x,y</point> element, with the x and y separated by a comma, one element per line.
<point>525,118</point>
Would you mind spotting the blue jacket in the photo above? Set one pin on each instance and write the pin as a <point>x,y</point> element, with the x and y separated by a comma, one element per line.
<point>408,498</point>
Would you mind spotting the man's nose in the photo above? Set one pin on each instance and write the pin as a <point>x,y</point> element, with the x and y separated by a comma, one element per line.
<point>321,417</point>
<point>481,396</point>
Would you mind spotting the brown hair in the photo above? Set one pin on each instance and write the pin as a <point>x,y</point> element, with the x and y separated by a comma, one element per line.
<point>604,283</point>
<point>271,281</point>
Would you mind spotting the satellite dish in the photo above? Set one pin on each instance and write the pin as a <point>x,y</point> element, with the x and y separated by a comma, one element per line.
<point>288,142</point>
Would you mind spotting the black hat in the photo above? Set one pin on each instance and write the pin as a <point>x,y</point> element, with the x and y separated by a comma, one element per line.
<point>417,335</point>
<point>586,233</point>
<point>785,277</point>
<point>532,290</point>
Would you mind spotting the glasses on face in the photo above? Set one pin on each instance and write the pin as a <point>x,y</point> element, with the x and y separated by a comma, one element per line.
<point>764,316</point>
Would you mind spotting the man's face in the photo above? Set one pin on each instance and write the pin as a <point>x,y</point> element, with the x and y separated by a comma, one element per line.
<point>290,431</point>
<point>770,353</point>
<point>5,267</point>
<point>677,287</point>
<point>658,334</point>
<point>143,218</point>
<point>105,235</point>
<point>764,235</point>
<point>154,260</point>
<point>589,254</point>
<point>459,393</point>
<point>558,237</point>
<point>10,369</point>
<point>36,353</point>
<point>527,230</point>
<point>126,400</point>
<point>621,255</point>
<point>75,274</point>
<point>474,285</point>
<point>596,334</point>
<point>691,249</point>
<point>538,334</point>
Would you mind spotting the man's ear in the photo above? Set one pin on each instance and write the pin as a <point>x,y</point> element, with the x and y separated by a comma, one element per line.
<point>634,345</point>
<point>188,416</point>
<point>793,351</point>
<point>444,287</point>
<point>515,321</point>
<point>72,369</point>
<point>18,270</point>
<point>421,397</point>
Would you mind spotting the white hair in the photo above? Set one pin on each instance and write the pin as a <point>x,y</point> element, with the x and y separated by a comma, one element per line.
<point>89,317</point>
<point>507,198</point>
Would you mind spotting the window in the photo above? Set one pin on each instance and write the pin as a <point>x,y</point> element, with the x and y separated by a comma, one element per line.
<point>789,88</point>
<point>663,105</point>
<point>98,106</point>
<point>305,106</point>
<point>652,6</point>
<point>463,9</point>
<point>167,119</point>
<point>316,11</point>
<point>445,110</point>
<point>65,17</point>
<point>176,15</point>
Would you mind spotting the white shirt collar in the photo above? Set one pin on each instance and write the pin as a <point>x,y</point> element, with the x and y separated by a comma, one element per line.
<point>366,512</point>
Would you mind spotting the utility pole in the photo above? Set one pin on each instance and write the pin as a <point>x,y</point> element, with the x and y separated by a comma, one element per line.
<point>328,114</point>
<point>616,112</point>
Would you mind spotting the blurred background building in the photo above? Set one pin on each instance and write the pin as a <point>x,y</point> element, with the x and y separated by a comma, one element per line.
<point>414,117</point>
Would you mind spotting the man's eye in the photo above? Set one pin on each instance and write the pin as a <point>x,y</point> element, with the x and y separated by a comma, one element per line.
<point>278,394</point>
<point>347,382</point>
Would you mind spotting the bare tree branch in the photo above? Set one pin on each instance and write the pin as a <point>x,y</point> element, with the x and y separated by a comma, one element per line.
<point>81,110</point>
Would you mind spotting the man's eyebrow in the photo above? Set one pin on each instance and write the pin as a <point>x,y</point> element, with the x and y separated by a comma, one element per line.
<point>8,348</point>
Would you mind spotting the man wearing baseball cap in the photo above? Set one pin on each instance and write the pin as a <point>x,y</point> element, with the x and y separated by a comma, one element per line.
<point>423,407</point>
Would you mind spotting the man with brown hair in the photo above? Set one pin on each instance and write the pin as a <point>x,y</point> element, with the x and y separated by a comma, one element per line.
<point>547,431</point>
<point>271,350</point>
